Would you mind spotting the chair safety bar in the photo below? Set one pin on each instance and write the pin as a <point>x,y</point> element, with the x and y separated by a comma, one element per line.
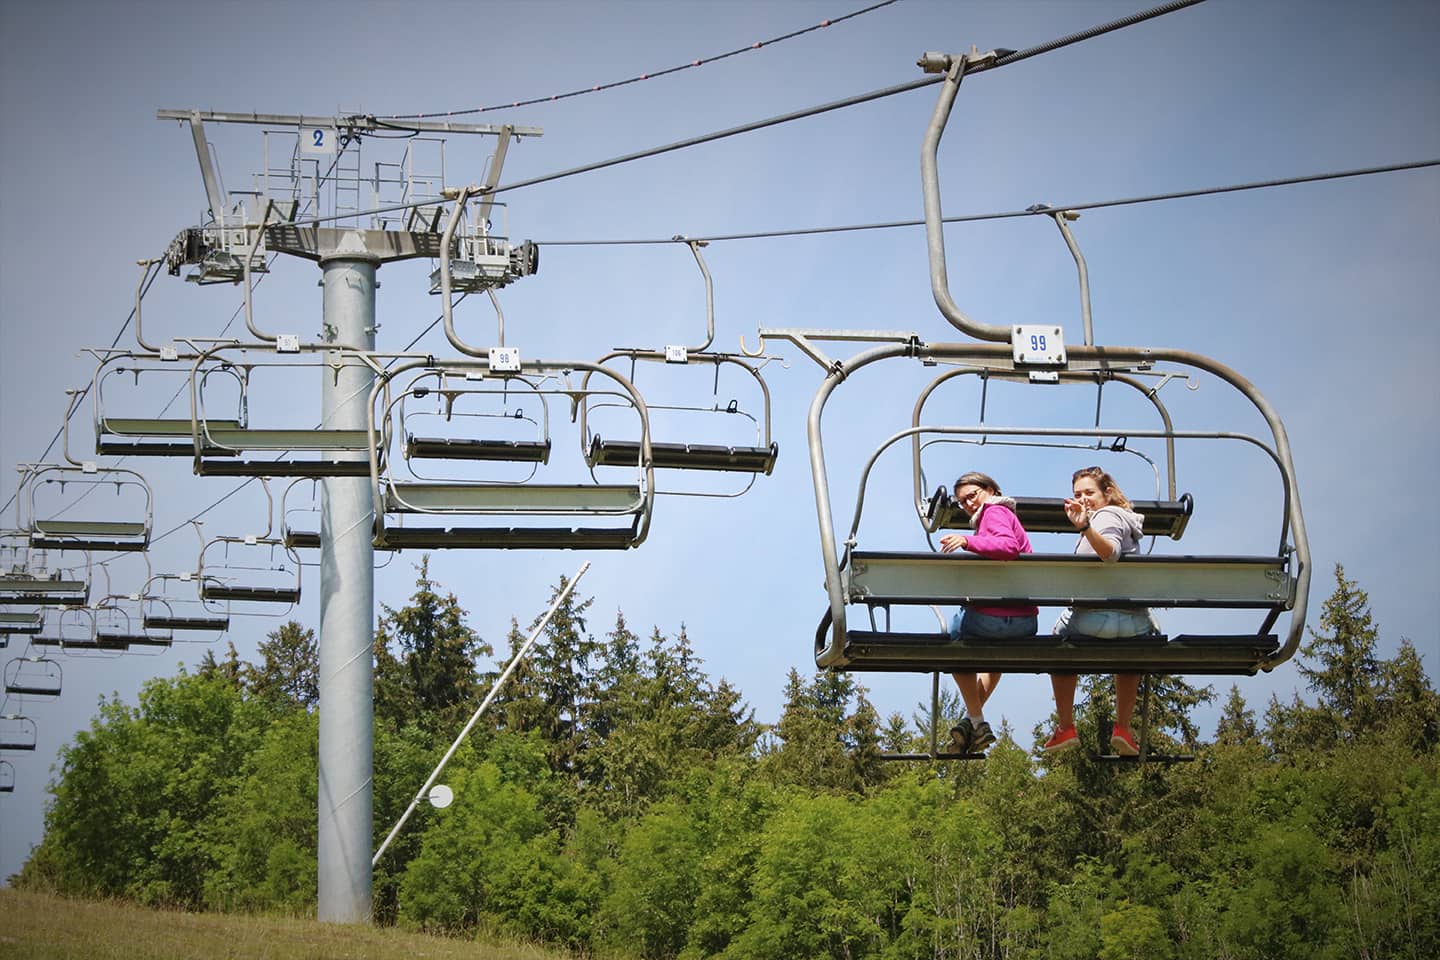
<point>1163,518</point>
<point>1069,579</point>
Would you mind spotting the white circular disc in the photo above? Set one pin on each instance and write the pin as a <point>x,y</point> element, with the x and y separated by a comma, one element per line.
<point>441,796</point>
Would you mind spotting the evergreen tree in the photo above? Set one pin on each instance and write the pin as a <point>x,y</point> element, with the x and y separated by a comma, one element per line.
<point>554,691</point>
<point>1408,701</point>
<point>824,744</point>
<point>432,681</point>
<point>1346,676</point>
<point>289,673</point>
<point>1237,722</point>
<point>230,670</point>
<point>657,716</point>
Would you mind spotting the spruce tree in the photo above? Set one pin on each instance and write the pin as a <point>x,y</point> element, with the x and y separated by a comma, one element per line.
<point>431,680</point>
<point>289,671</point>
<point>1237,722</point>
<point>1346,674</point>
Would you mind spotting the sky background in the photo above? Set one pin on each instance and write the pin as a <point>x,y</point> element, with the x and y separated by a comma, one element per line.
<point>1322,294</point>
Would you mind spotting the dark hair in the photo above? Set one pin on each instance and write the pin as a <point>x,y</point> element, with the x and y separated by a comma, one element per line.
<point>1106,483</point>
<point>978,479</point>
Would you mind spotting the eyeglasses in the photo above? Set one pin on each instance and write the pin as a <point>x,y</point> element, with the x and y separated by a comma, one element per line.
<point>967,494</point>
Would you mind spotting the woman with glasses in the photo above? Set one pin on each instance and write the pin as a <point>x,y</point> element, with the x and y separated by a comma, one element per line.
<point>998,536</point>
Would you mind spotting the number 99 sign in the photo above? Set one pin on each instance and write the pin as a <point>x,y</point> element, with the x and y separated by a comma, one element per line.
<point>1038,345</point>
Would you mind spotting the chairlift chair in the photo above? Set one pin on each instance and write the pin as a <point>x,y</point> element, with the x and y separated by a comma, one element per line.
<point>300,522</point>
<point>170,602</point>
<point>754,459</point>
<point>33,676</point>
<point>878,580</point>
<point>301,449</point>
<point>119,385</point>
<point>256,572</point>
<point>17,732</point>
<point>118,625</point>
<point>445,417</point>
<point>438,514</point>
<point>87,522</point>
<point>25,582</point>
<point>7,777</point>
<point>72,631</point>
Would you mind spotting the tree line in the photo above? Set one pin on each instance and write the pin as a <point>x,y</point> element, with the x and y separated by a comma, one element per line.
<point>619,801</point>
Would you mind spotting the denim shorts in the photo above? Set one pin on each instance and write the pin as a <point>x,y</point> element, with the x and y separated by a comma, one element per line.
<point>986,626</point>
<point>1107,624</point>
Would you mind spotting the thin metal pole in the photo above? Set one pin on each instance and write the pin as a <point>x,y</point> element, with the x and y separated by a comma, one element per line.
<point>475,717</point>
<point>347,610</point>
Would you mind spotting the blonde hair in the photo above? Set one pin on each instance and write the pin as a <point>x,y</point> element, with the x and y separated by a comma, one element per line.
<point>1113,494</point>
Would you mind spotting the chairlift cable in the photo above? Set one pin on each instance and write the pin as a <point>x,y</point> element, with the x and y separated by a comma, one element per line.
<point>1009,57</point>
<point>1006,215</point>
<point>650,75</point>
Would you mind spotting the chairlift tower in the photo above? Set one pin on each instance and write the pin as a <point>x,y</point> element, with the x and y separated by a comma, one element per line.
<point>349,242</point>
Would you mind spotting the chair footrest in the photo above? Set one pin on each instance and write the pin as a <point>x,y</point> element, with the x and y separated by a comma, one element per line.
<point>508,538</point>
<point>1238,654</point>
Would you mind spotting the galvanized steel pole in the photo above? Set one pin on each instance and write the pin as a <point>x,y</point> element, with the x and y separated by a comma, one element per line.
<point>347,606</point>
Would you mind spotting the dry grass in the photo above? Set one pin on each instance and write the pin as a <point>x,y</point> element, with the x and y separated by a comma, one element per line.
<point>42,926</point>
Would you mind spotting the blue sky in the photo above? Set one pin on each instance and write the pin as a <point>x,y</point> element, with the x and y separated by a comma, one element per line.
<point>1323,295</point>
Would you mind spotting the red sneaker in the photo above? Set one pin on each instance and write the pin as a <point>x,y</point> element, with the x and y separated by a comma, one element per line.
<point>1122,741</point>
<point>1062,739</point>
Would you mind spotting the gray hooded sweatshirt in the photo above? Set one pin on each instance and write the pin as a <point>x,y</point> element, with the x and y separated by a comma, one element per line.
<point>1122,527</point>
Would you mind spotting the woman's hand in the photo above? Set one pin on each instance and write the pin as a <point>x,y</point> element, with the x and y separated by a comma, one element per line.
<point>952,542</point>
<point>1076,512</point>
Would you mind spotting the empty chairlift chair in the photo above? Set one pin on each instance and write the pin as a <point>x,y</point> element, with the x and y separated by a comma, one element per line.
<point>711,419</point>
<point>88,508</point>
<point>257,573</point>
<point>18,733</point>
<point>127,385</point>
<point>171,603</point>
<point>118,625</point>
<point>33,676</point>
<point>428,504</point>
<point>272,378</point>
<point>25,581</point>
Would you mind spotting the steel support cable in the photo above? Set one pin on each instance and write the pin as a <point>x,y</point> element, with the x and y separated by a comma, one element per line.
<point>650,75</point>
<point>1010,214</point>
<point>1009,58</point>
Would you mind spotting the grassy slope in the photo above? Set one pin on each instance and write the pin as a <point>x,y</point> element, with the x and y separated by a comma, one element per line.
<point>35,925</point>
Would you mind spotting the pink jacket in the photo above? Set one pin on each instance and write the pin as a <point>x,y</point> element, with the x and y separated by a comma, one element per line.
<point>999,536</point>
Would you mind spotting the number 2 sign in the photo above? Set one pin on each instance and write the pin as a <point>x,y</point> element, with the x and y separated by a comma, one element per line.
<point>317,140</point>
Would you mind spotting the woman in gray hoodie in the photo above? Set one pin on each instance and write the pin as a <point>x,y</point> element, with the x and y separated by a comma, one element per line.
<point>1108,528</point>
